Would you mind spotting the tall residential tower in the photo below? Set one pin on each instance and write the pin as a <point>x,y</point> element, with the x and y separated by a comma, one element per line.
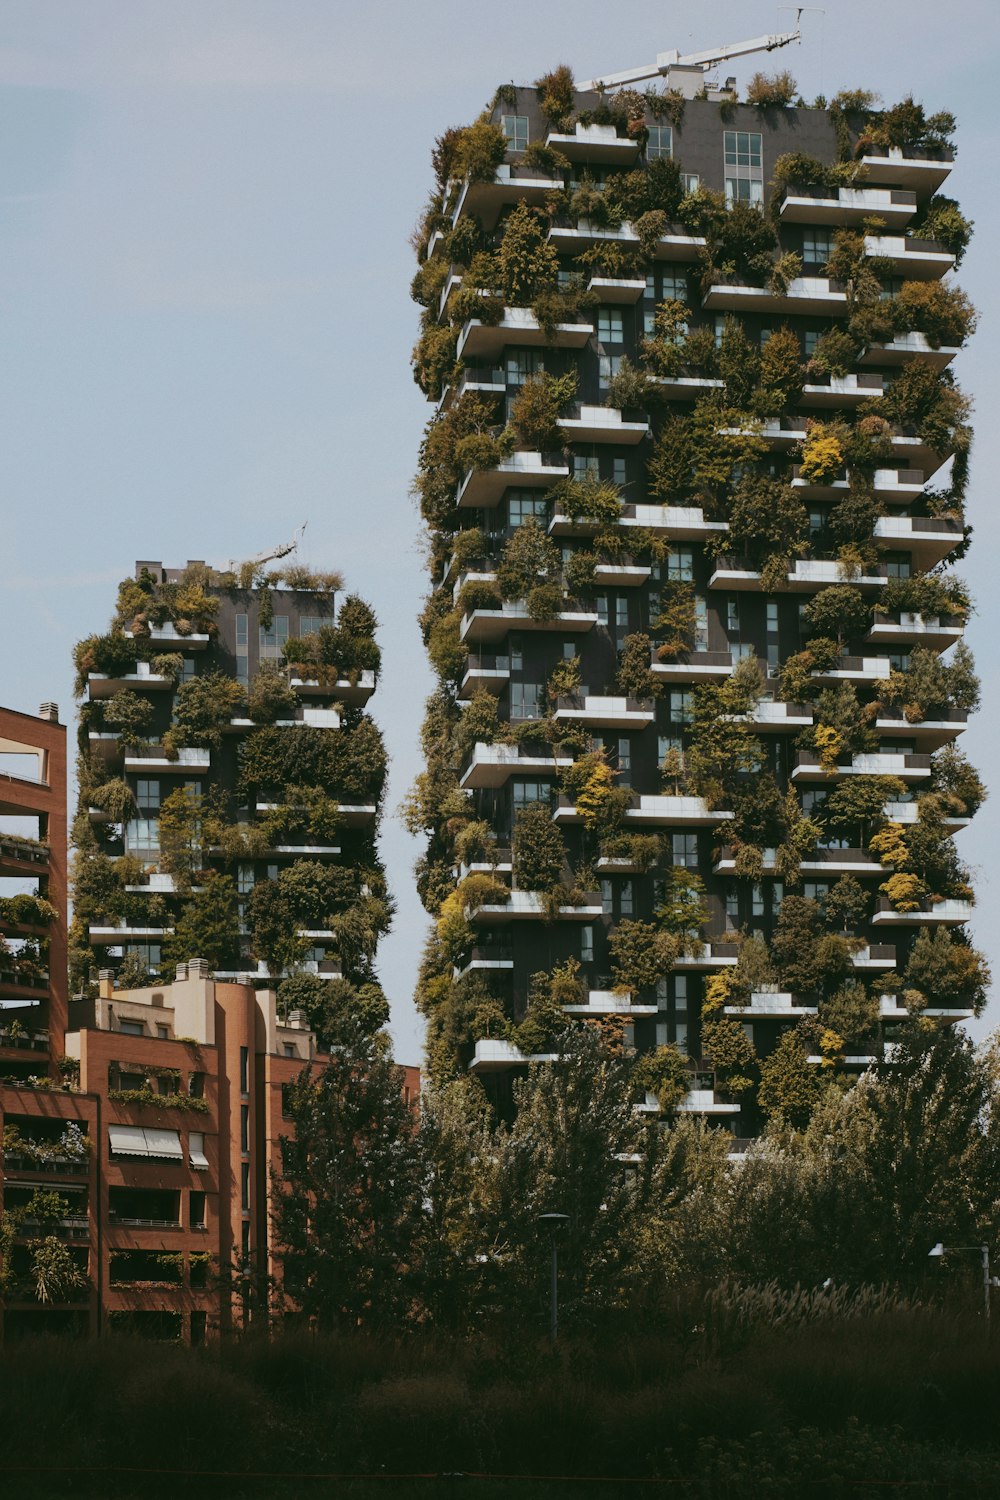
<point>694,484</point>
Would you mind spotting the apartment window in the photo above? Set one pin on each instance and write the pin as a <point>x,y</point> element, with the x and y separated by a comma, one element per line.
<point>817,525</point>
<point>625,757</point>
<point>274,638</point>
<point>618,471</point>
<point>816,890</point>
<point>772,615</point>
<point>311,624</point>
<point>196,1150</point>
<point>743,155</point>
<point>526,793</point>
<point>586,466</point>
<point>148,954</point>
<point>516,654</point>
<point>653,605</point>
<point>196,1085</point>
<point>244,1127</point>
<point>732,904</point>
<point>700,624</point>
<point>627,902</point>
<point>817,247</point>
<point>607,900</point>
<point>668,744</point>
<point>244,1070</point>
<point>720,329</point>
<point>675,286</point>
<point>899,661</point>
<point>660,142</point>
<point>601,604</point>
<point>245,1240</point>
<point>147,796</point>
<point>163,1032</point>
<point>621,616</point>
<point>196,1202</point>
<point>684,850</point>
<point>608,366</point>
<point>757,900</point>
<point>609,325</point>
<point>898,565</point>
<point>681,706</point>
<point>680,994</point>
<point>245,1186</point>
<point>199,1319</point>
<point>732,616</point>
<point>526,700</point>
<point>587,945</point>
<point>522,364</point>
<point>680,564</point>
<point>515,128</point>
<point>528,506</point>
<point>142,836</point>
<point>132,1028</point>
<point>289,1049</point>
<point>809,341</point>
<point>569,650</point>
<point>691,181</point>
<point>242,650</point>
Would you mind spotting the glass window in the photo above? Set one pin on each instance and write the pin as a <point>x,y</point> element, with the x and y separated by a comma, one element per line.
<point>142,836</point>
<point>681,706</point>
<point>526,700</point>
<point>147,796</point>
<point>757,900</point>
<point>624,755</point>
<point>744,166</point>
<point>311,624</point>
<point>621,613</point>
<point>626,904</point>
<point>772,614</point>
<point>197,1208</point>
<point>743,148</point>
<point>586,466</point>
<point>245,1185</point>
<point>809,341</point>
<point>817,246</point>
<point>618,471</point>
<point>602,609</point>
<point>732,616</point>
<point>515,128</point>
<point>244,1070</point>
<point>516,654</point>
<point>609,325</point>
<point>244,1127</point>
<point>684,850</point>
<point>522,364</point>
<point>680,564</point>
<point>660,142</point>
<point>607,904</point>
<point>132,1028</point>
<point>274,639</point>
<point>608,366</point>
<point>700,624</point>
<point>691,181</point>
<point>587,945</point>
<point>667,744</point>
<point>732,903</point>
<point>897,565</point>
<point>528,505</point>
<point>527,792</point>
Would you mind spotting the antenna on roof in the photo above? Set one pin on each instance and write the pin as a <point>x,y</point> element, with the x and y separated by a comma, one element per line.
<point>666,61</point>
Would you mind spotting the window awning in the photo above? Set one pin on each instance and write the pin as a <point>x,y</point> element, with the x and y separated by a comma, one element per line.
<point>197,1157</point>
<point>133,1140</point>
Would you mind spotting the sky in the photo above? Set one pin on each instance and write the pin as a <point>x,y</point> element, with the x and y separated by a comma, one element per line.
<point>205,323</point>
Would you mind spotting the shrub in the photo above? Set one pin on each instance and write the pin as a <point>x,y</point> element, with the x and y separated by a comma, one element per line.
<point>822,455</point>
<point>556,96</point>
<point>539,850</point>
<point>772,90</point>
<point>479,150</point>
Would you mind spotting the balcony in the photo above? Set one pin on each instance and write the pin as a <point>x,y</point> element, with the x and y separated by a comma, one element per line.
<point>841,390</point>
<point>607,1003</point>
<point>771,1006</point>
<point>485,671</point>
<point>906,767</point>
<point>928,539</point>
<point>512,184</point>
<point>686,386</point>
<point>694,666</point>
<point>531,906</point>
<point>913,259</point>
<point>807,575</point>
<point>486,382</point>
<point>21,856</point>
<point>706,1102</point>
<point>618,289</point>
<point>351,814</point>
<point>21,983</point>
<point>875,957</point>
<point>518,326</point>
<point>355,690</point>
<point>717,954</point>
<point>906,813</point>
<point>499,862</point>
<point>570,239</point>
<point>622,575</point>
<point>114,937</point>
<point>819,862</point>
<point>889,167</point>
<point>869,669</point>
<point>494,624</point>
<point>11,1041</point>
<point>100,685</point>
<point>105,746</point>
<point>500,1057</point>
<point>930,734</point>
<point>596,143</point>
<point>494,765</point>
<point>602,424</point>
<point>653,812</point>
<point>605,713</point>
<point>889,485</point>
<point>488,959</point>
<point>895,206</point>
<point>773,717</point>
<point>185,762</point>
<point>682,523</point>
<point>907,346</point>
<point>891,1010</point>
<point>486,487</point>
<point>315,718</point>
<point>171,639</point>
<point>806,294</point>
<point>916,630</point>
<point>929,913</point>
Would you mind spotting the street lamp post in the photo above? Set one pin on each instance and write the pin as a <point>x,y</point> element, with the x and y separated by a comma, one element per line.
<point>555,1222</point>
<point>938,1253</point>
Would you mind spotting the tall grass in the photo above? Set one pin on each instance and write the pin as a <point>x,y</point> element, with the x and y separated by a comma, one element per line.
<point>752,1392</point>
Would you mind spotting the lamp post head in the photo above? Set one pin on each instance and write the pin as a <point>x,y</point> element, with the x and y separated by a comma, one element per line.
<point>554,1221</point>
<point>937,1251</point>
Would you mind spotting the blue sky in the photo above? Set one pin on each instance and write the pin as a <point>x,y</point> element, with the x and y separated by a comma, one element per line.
<point>204,272</point>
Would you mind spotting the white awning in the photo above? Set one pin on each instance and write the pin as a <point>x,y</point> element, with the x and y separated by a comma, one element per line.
<point>133,1140</point>
<point>196,1150</point>
<point>127,1140</point>
<point>164,1143</point>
